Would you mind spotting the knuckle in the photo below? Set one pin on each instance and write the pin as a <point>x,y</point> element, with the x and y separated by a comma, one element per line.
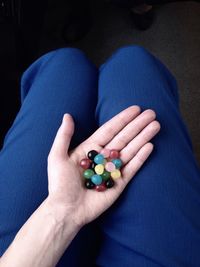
<point>110,130</point>
<point>121,141</point>
<point>122,119</point>
<point>151,130</point>
<point>140,158</point>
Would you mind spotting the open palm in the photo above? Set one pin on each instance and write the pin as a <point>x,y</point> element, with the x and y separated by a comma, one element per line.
<point>128,132</point>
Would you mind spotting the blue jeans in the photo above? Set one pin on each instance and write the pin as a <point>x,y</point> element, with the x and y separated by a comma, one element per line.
<point>156,220</point>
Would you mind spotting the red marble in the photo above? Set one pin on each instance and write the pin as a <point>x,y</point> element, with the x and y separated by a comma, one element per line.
<point>114,154</point>
<point>100,187</point>
<point>85,163</point>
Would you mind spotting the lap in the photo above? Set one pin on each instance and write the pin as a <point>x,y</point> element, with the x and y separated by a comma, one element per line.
<point>158,213</point>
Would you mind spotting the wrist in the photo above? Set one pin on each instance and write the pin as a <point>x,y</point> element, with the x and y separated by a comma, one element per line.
<point>44,237</point>
<point>61,214</point>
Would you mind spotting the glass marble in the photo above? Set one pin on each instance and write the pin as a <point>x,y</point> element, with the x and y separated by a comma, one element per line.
<point>115,174</point>
<point>88,173</point>
<point>99,159</point>
<point>92,165</point>
<point>91,154</point>
<point>105,175</point>
<point>85,163</point>
<point>110,166</point>
<point>118,163</point>
<point>96,179</point>
<point>99,169</point>
<point>100,187</point>
<point>114,154</point>
<point>109,183</point>
<point>89,184</point>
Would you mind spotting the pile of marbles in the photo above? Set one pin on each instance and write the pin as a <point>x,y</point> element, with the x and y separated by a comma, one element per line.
<point>101,169</point>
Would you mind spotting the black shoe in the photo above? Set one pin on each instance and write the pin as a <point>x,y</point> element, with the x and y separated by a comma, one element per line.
<point>143,21</point>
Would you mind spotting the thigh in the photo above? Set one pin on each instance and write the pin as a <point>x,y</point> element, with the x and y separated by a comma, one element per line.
<point>156,221</point>
<point>62,81</point>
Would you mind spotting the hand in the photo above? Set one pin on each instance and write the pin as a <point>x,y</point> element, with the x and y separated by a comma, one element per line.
<point>129,132</point>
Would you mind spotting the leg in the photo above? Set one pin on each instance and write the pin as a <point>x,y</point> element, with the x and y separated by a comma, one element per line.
<point>59,82</point>
<point>156,221</point>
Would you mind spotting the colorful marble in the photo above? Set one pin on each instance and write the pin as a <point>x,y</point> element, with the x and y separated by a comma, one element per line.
<point>105,175</point>
<point>99,169</point>
<point>118,163</point>
<point>88,173</point>
<point>85,163</point>
<point>92,165</point>
<point>109,183</point>
<point>100,188</point>
<point>96,179</point>
<point>91,154</point>
<point>89,184</point>
<point>114,154</point>
<point>110,166</point>
<point>99,159</point>
<point>115,174</point>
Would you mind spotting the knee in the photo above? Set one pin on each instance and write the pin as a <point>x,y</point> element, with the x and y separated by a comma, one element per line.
<point>66,56</point>
<point>66,51</point>
<point>133,50</point>
<point>56,63</point>
<point>61,60</point>
<point>131,53</point>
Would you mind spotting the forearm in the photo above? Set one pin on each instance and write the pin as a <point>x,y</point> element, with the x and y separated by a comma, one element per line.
<point>42,239</point>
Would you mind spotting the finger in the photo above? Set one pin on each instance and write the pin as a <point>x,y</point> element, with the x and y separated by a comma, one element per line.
<point>131,130</point>
<point>139,141</point>
<point>63,137</point>
<point>130,169</point>
<point>108,130</point>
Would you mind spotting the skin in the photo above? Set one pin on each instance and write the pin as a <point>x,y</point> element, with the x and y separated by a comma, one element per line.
<point>69,206</point>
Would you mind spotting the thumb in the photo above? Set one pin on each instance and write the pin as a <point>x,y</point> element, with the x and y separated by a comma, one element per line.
<point>63,137</point>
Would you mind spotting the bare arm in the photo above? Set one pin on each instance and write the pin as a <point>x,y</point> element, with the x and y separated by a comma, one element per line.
<point>43,238</point>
